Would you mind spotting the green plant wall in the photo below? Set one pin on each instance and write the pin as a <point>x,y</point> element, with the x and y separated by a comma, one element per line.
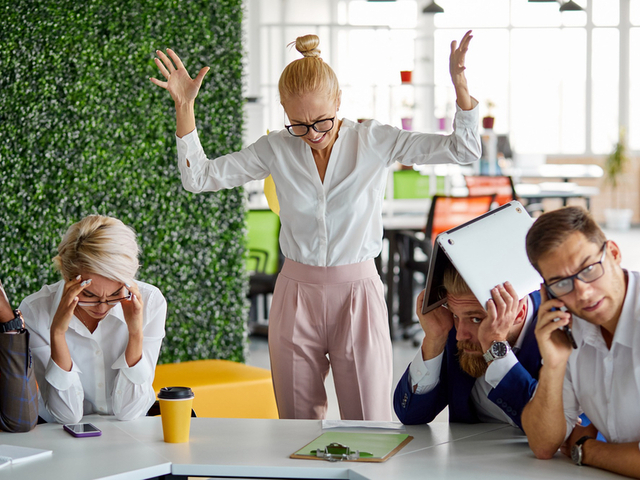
<point>83,130</point>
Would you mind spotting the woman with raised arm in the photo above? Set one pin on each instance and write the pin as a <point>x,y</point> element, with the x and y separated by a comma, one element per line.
<point>328,307</point>
<point>96,334</point>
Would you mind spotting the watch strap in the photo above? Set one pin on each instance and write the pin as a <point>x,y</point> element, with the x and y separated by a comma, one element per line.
<point>581,440</point>
<point>576,451</point>
<point>16,324</point>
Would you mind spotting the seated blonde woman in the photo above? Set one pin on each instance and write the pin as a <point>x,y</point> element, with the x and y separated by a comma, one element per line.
<point>96,334</point>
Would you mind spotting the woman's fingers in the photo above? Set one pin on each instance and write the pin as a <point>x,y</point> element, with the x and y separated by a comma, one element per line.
<point>201,75</point>
<point>159,83</point>
<point>165,60</point>
<point>165,73</point>
<point>175,58</point>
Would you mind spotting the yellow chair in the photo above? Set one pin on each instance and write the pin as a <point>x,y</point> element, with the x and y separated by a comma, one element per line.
<point>222,388</point>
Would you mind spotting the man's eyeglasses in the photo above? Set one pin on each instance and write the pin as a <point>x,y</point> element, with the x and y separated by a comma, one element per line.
<point>111,303</point>
<point>588,274</point>
<point>321,126</point>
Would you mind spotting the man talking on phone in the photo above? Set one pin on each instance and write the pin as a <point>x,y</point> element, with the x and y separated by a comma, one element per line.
<point>18,392</point>
<point>601,377</point>
<point>481,362</point>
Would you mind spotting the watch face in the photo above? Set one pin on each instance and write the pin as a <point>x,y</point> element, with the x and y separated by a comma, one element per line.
<point>499,349</point>
<point>576,454</point>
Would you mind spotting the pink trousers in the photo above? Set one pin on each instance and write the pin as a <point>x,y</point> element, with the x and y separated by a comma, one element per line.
<point>330,316</point>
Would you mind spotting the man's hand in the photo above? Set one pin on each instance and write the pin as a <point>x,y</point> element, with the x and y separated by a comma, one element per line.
<point>554,346</point>
<point>436,325</point>
<point>578,432</point>
<point>6,313</point>
<point>502,310</point>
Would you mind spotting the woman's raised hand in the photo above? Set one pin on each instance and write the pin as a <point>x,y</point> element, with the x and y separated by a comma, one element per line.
<point>181,86</point>
<point>457,68</point>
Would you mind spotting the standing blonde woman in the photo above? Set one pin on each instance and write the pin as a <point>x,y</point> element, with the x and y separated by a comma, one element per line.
<point>96,334</point>
<point>330,174</point>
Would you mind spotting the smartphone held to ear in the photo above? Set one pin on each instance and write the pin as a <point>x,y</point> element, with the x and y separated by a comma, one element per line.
<point>566,329</point>
<point>82,430</point>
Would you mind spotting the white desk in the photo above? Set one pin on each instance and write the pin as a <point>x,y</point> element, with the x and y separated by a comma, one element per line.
<point>564,171</point>
<point>232,448</point>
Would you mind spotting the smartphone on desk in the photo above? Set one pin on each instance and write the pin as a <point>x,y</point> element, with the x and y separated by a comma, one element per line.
<point>82,429</point>
<point>566,329</point>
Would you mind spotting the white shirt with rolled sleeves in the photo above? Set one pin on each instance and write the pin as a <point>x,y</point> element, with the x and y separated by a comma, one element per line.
<point>605,383</point>
<point>100,380</point>
<point>425,375</point>
<point>337,222</point>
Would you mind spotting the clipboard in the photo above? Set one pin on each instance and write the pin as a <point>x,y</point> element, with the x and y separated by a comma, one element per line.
<point>371,447</point>
<point>486,251</point>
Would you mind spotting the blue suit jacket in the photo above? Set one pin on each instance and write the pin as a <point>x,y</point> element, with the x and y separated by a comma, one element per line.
<point>454,388</point>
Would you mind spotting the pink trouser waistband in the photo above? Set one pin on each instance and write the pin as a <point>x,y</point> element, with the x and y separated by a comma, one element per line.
<point>328,275</point>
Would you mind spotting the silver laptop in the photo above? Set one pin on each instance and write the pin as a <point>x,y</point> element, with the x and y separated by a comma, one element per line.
<point>486,251</point>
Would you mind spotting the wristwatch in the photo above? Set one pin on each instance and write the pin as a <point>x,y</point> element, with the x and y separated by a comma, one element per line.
<point>16,324</point>
<point>497,350</point>
<point>576,450</point>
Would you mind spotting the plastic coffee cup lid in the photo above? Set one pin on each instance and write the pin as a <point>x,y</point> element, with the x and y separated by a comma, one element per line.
<point>175,393</point>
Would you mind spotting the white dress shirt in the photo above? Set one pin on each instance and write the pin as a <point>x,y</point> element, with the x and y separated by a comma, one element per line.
<point>337,222</point>
<point>603,382</point>
<point>100,381</point>
<point>424,376</point>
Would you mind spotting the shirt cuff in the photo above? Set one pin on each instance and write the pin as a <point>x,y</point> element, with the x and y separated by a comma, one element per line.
<point>499,368</point>
<point>138,374</point>
<point>189,146</point>
<point>61,379</point>
<point>467,118</point>
<point>424,374</point>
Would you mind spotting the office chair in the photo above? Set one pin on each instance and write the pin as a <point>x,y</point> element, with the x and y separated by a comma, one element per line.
<point>501,186</point>
<point>263,262</point>
<point>444,214</point>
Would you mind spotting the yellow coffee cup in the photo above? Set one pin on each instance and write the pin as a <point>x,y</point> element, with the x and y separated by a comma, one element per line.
<point>175,411</point>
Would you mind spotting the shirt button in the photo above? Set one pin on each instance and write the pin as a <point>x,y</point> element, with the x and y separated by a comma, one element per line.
<point>101,385</point>
<point>98,352</point>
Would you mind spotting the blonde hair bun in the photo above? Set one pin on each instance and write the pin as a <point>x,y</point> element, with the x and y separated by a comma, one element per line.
<point>309,74</point>
<point>307,45</point>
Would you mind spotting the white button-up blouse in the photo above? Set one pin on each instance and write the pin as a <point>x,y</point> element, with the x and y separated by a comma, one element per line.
<point>100,381</point>
<point>337,222</point>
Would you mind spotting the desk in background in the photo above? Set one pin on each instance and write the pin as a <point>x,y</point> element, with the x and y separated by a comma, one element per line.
<point>249,448</point>
<point>535,192</point>
<point>399,215</point>
<point>563,171</point>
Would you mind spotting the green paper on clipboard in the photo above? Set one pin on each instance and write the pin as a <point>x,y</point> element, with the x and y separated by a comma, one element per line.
<point>353,447</point>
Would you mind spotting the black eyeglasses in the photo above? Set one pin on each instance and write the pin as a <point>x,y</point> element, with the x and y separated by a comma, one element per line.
<point>301,129</point>
<point>111,303</point>
<point>588,274</point>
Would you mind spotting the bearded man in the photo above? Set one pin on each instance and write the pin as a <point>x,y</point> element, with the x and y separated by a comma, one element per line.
<point>481,362</point>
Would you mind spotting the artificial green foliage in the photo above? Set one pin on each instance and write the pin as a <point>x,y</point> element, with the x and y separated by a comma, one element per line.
<point>83,130</point>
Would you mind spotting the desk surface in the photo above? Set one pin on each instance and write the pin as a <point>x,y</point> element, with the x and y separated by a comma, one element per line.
<point>249,448</point>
